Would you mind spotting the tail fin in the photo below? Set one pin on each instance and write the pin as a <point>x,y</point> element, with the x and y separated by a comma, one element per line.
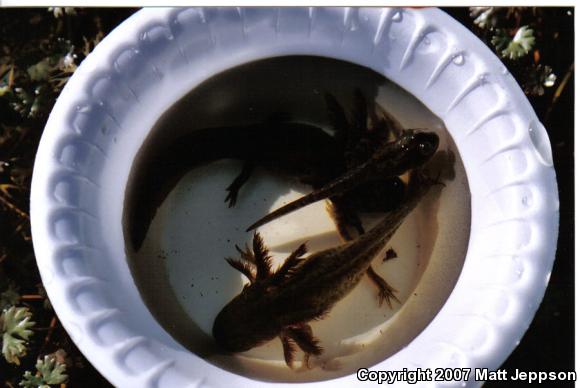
<point>340,185</point>
<point>288,208</point>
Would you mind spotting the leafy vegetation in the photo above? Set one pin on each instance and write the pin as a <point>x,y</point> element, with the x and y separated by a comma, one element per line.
<point>39,51</point>
<point>15,326</point>
<point>526,39</point>
<point>48,371</point>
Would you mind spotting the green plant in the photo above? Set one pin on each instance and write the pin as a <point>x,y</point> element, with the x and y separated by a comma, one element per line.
<point>523,38</point>
<point>514,47</point>
<point>48,371</point>
<point>15,325</point>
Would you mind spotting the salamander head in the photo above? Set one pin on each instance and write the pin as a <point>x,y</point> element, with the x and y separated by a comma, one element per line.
<point>413,149</point>
<point>244,322</point>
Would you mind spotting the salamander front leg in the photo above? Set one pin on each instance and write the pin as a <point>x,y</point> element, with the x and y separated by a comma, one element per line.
<point>237,184</point>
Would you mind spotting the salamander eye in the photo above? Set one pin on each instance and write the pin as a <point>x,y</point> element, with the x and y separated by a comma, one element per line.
<point>426,148</point>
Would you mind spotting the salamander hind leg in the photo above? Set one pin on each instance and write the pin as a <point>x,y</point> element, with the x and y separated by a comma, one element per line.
<point>386,291</point>
<point>299,335</point>
<point>289,347</point>
<point>342,219</point>
<point>237,184</point>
